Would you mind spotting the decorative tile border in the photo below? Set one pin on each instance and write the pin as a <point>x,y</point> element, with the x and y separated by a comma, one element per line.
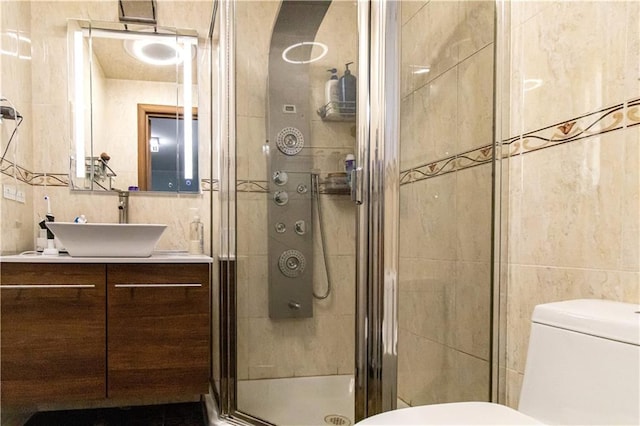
<point>31,178</point>
<point>586,126</point>
<point>454,163</point>
<point>633,113</point>
<point>606,120</point>
<point>252,186</point>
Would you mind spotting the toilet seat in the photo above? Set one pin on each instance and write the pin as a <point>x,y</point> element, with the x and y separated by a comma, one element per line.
<point>456,413</point>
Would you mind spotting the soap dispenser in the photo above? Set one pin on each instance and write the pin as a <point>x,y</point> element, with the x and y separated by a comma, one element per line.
<point>347,91</point>
<point>196,234</point>
<point>331,94</point>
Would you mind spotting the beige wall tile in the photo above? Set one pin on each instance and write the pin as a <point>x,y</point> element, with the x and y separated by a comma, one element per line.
<point>472,378</point>
<point>583,56</point>
<point>476,22</point>
<point>257,296</point>
<point>251,220</point>
<point>513,384</point>
<point>242,358</point>
<point>473,213</point>
<point>571,200</point>
<point>409,8</point>
<point>436,115</point>
<point>472,321</point>
<point>630,204</point>
<point>419,231</point>
<point>475,100</point>
<point>424,371</point>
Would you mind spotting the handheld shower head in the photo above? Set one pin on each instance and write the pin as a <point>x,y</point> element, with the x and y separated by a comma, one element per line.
<point>9,113</point>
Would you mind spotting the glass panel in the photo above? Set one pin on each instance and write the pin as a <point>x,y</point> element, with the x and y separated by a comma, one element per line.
<point>295,220</point>
<point>445,202</point>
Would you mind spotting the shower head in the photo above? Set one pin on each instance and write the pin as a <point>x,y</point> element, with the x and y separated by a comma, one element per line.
<point>9,113</point>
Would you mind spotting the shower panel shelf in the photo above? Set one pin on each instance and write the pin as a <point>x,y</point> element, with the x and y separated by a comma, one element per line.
<point>333,111</point>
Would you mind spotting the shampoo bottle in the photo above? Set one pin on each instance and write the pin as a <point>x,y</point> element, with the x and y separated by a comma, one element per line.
<point>347,91</point>
<point>196,234</point>
<point>349,166</point>
<point>331,94</point>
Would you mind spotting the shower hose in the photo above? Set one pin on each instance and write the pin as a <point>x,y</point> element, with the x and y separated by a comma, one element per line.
<point>316,194</point>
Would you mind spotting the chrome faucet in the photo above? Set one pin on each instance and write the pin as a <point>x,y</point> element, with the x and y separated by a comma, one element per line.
<point>123,206</point>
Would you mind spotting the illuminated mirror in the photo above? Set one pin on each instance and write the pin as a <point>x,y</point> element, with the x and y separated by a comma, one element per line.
<point>117,72</point>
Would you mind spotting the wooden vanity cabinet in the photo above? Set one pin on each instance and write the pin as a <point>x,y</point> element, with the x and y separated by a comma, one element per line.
<point>158,329</point>
<point>52,328</point>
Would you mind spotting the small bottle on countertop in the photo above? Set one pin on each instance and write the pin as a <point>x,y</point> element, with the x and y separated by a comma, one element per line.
<point>196,234</point>
<point>349,166</point>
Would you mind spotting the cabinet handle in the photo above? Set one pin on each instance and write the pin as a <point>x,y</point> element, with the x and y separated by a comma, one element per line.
<point>38,286</point>
<point>157,285</point>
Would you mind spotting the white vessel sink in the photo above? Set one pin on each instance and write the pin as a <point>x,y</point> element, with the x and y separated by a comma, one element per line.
<point>107,239</point>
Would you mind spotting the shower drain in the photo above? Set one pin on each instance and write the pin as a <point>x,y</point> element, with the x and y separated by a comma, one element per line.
<point>338,420</point>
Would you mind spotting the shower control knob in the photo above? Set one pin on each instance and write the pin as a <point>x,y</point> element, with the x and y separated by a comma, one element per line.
<point>300,227</point>
<point>280,177</point>
<point>281,198</point>
<point>302,188</point>
<point>280,227</point>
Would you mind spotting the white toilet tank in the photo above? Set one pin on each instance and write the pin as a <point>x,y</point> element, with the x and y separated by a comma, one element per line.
<point>583,363</point>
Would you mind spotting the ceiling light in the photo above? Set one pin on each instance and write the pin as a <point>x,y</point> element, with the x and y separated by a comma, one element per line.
<point>322,46</point>
<point>155,52</point>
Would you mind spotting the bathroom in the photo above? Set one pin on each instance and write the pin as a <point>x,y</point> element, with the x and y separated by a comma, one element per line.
<point>482,236</point>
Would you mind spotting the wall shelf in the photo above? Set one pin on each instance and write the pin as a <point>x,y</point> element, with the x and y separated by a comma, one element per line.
<point>338,111</point>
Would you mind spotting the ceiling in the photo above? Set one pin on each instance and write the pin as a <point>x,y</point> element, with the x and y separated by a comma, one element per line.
<point>116,63</point>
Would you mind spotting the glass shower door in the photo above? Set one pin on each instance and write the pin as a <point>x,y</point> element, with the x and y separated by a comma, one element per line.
<point>445,288</point>
<point>295,293</point>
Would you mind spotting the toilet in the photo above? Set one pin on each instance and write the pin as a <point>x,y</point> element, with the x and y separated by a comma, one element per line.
<point>583,367</point>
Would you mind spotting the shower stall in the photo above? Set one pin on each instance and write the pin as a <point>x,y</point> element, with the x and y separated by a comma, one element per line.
<point>347,294</point>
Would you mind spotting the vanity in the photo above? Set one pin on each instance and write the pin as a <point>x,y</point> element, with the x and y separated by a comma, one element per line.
<point>78,330</point>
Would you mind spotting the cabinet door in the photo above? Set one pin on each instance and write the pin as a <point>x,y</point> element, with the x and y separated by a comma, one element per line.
<point>53,332</point>
<point>158,329</point>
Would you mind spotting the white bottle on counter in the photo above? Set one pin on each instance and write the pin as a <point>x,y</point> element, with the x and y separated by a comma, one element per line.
<point>196,234</point>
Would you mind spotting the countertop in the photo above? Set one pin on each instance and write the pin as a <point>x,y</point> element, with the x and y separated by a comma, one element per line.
<point>156,257</point>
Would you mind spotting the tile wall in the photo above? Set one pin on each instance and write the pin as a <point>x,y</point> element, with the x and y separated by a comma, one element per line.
<point>40,87</point>
<point>16,232</point>
<point>324,344</point>
<point>573,155</point>
<point>445,201</point>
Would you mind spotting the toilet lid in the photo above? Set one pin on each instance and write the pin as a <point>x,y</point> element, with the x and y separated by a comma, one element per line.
<point>457,413</point>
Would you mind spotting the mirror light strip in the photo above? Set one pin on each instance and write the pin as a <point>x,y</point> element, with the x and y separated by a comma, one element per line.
<point>78,95</point>
<point>188,108</point>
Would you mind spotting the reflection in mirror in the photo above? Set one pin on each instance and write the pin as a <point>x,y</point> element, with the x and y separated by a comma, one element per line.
<point>161,145</point>
<point>115,69</point>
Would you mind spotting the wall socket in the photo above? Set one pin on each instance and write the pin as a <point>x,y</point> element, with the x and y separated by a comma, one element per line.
<point>11,193</point>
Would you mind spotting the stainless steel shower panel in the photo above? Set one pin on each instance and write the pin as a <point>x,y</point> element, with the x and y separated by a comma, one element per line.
<point>290,203</point>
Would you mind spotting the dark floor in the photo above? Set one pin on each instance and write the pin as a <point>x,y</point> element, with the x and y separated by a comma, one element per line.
<point>184,414</point>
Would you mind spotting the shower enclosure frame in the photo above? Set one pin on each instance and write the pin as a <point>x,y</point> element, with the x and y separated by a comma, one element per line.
<point>377,222</point>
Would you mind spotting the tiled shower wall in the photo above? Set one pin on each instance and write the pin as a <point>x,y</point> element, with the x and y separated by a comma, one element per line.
<point>16,232</point>
<point>38,86</point>
<point>445,201</point>
<point>573,126</point>
<point>324,344</point>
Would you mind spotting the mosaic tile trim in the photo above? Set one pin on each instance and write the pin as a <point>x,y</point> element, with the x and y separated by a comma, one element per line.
<point>454,163</point>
